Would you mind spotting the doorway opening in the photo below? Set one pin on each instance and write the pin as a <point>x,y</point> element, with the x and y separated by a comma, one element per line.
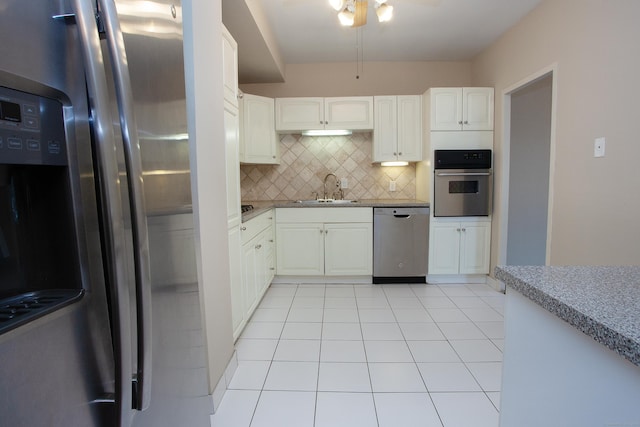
<point>528,171</point>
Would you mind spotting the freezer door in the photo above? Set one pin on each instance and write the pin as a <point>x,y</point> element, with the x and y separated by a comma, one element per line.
<point>58,370</point>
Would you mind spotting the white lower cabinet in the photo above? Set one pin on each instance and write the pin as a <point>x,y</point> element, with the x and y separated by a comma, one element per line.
<point>255,267</point>
<point>459,247</point>
<point>235,264</point>
<point>348,249</point>
<point>300,248</point>
<point>324,241</point>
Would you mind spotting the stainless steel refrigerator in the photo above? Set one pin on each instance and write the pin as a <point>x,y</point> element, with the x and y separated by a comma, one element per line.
<point>100,321</point>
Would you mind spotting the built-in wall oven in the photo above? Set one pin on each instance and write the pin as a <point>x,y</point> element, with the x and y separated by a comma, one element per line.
<point>463,183</point>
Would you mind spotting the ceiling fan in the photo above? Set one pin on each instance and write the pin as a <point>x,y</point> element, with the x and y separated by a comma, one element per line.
<point>353,13</point>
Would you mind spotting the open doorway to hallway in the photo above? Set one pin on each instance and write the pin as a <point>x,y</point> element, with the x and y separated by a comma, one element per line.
<point>529,140</point>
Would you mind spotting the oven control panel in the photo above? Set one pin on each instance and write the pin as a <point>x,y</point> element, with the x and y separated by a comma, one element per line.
<point>31,129</point>
<point>462,159</point>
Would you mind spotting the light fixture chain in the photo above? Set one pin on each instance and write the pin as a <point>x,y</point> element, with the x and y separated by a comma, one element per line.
<point>359,52</point>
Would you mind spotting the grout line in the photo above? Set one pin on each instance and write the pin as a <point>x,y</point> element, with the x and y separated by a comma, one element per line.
<point>360,323</point>
<point>271,361</point>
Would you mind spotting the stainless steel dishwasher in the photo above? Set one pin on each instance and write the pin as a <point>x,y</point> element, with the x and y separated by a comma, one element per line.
<point>400,244</point>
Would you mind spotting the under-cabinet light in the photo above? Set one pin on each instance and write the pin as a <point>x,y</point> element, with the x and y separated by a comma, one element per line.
<point>326,132</point>
<point>394,164</point>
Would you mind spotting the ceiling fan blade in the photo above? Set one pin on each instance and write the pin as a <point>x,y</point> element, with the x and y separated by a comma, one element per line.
<point>361,13</point>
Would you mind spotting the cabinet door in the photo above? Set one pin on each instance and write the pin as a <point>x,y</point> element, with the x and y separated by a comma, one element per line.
<point>250,276</point>
<point>348,249</point>
<point>385,135</point>
<point>300,249</point>
<point>258,132</point>
<point>270,254</point>
<point>349,113</point>
<point>444,248</point>
<point>232,162</point>
<point>410,128</point>
<point>446,108</point>
<point>238,314</point>
<point>475,248</point>
<point>477,108</point>
<point>296,114</point>
<point>261,265</point>
<point>229,67</point>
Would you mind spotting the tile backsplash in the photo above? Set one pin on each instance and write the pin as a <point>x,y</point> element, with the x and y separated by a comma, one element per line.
<point>306,160</point>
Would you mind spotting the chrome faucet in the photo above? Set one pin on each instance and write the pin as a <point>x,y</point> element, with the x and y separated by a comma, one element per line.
<point>325,194</point>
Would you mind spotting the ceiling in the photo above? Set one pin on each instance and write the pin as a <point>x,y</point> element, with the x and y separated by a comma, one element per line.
<point>272,33</point>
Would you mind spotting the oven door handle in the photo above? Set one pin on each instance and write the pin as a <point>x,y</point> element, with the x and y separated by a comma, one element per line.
<point>463,174</point>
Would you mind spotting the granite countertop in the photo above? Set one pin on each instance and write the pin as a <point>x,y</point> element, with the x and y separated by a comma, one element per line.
<point>602,302</point>
<point>262,206</point>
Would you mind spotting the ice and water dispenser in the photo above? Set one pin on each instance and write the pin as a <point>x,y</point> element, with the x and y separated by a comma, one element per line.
<point>39,265</point>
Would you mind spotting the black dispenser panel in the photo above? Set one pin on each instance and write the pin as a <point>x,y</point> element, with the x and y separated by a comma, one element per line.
<point>31,129</point>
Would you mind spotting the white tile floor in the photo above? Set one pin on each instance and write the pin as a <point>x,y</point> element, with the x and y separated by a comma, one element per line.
<point>369,355</point>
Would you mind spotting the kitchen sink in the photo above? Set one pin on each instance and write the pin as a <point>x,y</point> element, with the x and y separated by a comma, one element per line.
<point>326,202</point>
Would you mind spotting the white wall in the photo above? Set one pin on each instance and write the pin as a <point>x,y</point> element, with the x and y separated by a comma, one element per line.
<point>203,72</point>
<point>595,206</point>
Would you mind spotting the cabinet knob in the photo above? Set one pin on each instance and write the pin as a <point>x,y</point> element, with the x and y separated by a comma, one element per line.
<point>326,231</point>
<point>464,229</point>
<point>326,123</point>
<point>395,154</point>
<point>466,122</point>
<point>258,246</point>
<point>457,229</point>
<point>271,268</point>
<point>273,157</point>
<point>400,153</point>
<point>460,122</point>
<point>321,231</point>
<point>243,228</point>
<point>270,240</point>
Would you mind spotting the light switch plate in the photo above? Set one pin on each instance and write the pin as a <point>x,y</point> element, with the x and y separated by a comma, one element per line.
<point>344,183</point>
<point>392,186</point>
<point>598,147</point>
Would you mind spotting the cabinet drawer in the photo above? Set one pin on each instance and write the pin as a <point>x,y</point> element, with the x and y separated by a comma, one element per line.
<point>323,215</point>
<point>254,226</point>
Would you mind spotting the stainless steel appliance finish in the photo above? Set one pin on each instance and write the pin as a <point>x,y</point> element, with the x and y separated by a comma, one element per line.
<point>129,351</point>
<point>463,183</point>
<point>400,244</point>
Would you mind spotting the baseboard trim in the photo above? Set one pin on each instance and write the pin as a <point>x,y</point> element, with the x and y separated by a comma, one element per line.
<point>456,278</point>
<point>496,284</point>
<point>321,279</point>
<point>223,384</point>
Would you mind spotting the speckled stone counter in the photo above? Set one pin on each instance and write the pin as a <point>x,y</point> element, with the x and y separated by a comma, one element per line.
<point>261,206</point>
<point>602,302</point>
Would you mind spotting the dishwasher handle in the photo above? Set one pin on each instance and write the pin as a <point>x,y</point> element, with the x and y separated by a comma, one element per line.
<point>401,211</point>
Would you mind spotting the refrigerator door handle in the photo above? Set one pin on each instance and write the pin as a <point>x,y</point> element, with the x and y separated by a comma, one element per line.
<point>113,222</point>
<point>133,161</point>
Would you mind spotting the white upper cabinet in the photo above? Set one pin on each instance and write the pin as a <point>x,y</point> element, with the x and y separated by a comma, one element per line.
<point>352,113</point>
<point>258,139</point>
<point>232,161</point>
<point>297,114</point>
<point>229,67</point>
<point>468,108</point>
<point>397,134</point>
